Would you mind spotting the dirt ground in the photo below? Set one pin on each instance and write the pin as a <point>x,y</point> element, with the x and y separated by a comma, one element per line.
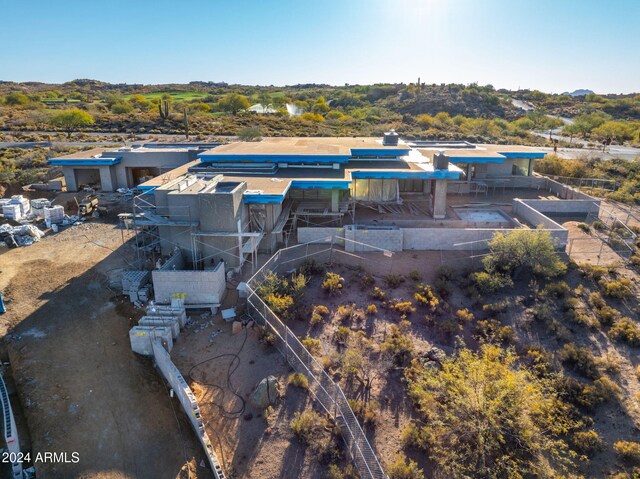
<point>81,387</point>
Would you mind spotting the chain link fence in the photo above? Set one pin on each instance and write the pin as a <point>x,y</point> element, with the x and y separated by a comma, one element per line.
<point>327,393</point>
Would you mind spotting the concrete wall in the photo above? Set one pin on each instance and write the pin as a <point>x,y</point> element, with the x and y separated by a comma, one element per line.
<point>199,287</point>
<point>387,239</point>
<point>564,207</point>
<point>318,235</point>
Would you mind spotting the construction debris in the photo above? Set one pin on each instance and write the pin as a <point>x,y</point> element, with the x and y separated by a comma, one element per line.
<point>23,235</point>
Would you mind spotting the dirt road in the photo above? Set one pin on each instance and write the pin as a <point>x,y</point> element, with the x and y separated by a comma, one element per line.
<point>81,387</point>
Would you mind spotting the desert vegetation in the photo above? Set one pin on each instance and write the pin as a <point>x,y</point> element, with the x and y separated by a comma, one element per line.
<point>509,366</point>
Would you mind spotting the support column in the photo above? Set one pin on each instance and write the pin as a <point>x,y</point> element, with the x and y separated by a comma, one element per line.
<point>70,178</point>
<point>530,170</point>
<point>335,200</point>
<point>439,194</point>
<point>106,181</point>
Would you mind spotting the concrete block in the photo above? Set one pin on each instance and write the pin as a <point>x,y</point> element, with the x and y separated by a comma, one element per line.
<point>171,323</point>
<point>142,337</point>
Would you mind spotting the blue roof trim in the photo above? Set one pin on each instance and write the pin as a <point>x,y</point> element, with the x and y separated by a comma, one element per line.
<point>524,154</point>
<point>260,199</point>
<point>477,159</point>
<point>405,175</point>
<point>319,184</point>
<point>146,189</point>
<point>85,161</point>
<point>380,151</point>
<point>311,159</point>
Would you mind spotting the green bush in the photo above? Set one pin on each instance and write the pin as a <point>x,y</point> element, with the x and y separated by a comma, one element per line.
<point>586,442</point>
<point>426,297</point>
<point>403,308</point>
<point>371,310</point>
<point>349,472</point>
<point>318,313</point>
<point>628,451</point>
<point>415,276</point>
<point>397,343</point>
<point>607,315</point>
<point>488,283</point>
<point>556,290</point>
<point>394,280</point>
<point>464,316</point>
<point>310,267</point>
<point>624,329</point>
<point>341,336</point>
<point>299,380</point>
<point>312,345</point>
<point>365,411</point>
<point>591,271</point>
<point>307,424</point>
<point>579,358</point>
<point>621,288</point>
<point>377,293</point>
<point>333,283</point>
<point>403,468</point>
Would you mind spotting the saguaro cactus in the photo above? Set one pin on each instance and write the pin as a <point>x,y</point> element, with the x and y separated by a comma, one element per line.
<point>164,109</point>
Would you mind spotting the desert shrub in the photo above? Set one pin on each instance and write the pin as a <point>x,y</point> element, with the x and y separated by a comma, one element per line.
<point>607,315</point>
<point>543,311</point>
<point>366,411</point>
<point>299,380</point>
<point>335,472</point>
<point>579,358</point>
<point>586,442</point>
<point>609,363</point>
<point>628,451</point>
<point>297,286</point>
<point>538,360</point>
<point>522,249</point>
<point>624,329</point>
<point>397,343</point>
<point>584,227</point>
<point>426,297</point>
<point>318,313</point>
<point>638,373</point>
<point>415,276</point>
<point>280,304</point>
<point>464,316</point>
<point>556,290</point>
<point>635,260</point>
<point>341,335</point>
<point>446,273</point>
<point>312,345</point>
<point>493,330</point>
<point>598,225</point>
<point>307,424</point>
<point>488,283</point>
<point>596,300</point>
<point>442,287</point>
<point>394,280</point>
<point>403,308</point>
<point>265,336</point>
<point>333,283</point>
<point>377,293</point>
<point>496,308</point>
<point>620,288</point>
<point>522,407</point>
<point>371,310</point>
<point>403,468</point>
<point>570,304</point>
<point>591,271</point>
<point>310,267</point>
<point>367,280</point>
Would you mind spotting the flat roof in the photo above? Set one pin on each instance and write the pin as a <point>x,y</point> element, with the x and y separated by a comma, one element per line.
<point>83,155</point>
<point>338,146</point>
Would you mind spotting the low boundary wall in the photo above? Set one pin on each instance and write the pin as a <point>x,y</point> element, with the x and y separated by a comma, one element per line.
<point>189,404</point>
<point>199,287</point>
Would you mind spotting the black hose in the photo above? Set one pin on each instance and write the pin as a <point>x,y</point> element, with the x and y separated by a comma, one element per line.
<point>234,364</point>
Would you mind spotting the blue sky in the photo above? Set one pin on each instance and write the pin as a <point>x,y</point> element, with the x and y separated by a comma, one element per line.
<point>551,45</point>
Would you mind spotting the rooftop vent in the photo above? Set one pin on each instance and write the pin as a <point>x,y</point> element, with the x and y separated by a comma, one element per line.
<point>390,138</point>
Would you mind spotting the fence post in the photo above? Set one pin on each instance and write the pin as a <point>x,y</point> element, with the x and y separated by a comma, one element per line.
<point>335,401</point>
<point>286,343</point>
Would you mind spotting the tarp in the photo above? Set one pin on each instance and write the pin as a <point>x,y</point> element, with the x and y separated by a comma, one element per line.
<point>379,190</point>
<point>2,308</point>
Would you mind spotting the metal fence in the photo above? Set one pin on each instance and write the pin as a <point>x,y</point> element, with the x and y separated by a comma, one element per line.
<point>326,392</point>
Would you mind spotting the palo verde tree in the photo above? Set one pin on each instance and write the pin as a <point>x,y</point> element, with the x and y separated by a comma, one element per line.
<point>233,103</point>
<point>71,120</point>
<point>484,416</point>
<point>531,251</point>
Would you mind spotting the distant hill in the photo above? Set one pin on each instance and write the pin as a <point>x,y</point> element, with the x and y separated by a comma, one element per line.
<point>581,92</point>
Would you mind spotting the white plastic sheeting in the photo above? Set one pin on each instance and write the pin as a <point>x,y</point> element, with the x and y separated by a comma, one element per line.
<point>379,190</point>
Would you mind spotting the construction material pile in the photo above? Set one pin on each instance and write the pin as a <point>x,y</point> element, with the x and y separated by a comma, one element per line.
<point>16,207</point>
<point>23,235</point>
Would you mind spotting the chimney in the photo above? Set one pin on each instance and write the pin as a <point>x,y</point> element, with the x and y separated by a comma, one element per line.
<point>390,138</point>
